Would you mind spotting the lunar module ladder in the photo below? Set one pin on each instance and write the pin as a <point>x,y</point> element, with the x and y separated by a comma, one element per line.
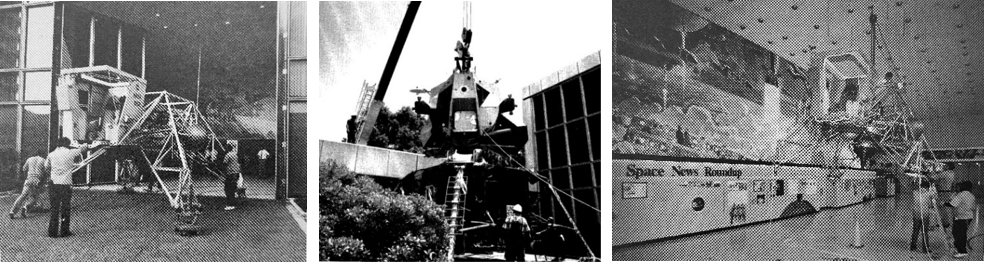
<point>455,205</point>
<point>455,210</point>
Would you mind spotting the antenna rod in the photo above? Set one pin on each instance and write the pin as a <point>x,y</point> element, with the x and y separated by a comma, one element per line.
<point>873,19</point>
<point>198,75</point>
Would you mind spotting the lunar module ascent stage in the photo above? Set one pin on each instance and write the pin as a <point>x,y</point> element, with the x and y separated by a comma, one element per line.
<point>157,138</point>
<point>476,143</point>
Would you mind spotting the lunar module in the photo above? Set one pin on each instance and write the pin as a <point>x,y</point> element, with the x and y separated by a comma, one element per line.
<point>163,141</point>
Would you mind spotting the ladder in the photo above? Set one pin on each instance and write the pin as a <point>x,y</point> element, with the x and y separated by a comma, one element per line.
<point>455,204</point>
<point>455,201</point>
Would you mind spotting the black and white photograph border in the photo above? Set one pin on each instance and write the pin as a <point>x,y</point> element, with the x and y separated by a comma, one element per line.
<point>153,131</point>
<point>474,134</point>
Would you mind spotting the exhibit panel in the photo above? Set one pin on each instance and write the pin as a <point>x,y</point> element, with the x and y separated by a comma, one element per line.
<point>655,199</point>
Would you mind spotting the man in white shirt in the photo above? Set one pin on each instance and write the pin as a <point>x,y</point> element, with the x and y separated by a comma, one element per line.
<point>262,163</point>
<point>963,204</point>
<point>61,162</point>
<point>922,211</point>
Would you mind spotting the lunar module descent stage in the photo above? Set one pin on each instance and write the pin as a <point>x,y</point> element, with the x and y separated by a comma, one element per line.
<point>167,136</point>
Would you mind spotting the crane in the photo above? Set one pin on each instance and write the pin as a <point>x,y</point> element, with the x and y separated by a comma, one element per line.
<point>364,131</point>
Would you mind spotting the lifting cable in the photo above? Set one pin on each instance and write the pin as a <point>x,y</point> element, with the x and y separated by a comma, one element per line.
<point>555,193</point>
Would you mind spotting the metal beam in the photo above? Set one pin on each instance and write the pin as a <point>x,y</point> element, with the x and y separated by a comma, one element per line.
<point>389,68</point>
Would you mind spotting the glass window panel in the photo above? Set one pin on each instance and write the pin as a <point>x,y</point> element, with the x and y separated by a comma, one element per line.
<point>296,31</point>
<point>10,37</point>
<point>296,78</point>
<point>8,127</point>
<point>564,200</point>
<point>8,153</point>
<point>106,42</point>
<point>131,52</point>
<point>297,117</point>
<point>546,202</point>
<point>557,147</point>
<point>574,99</point>
<point>590,197</point>
<point>588,220</point>
<point>35,132</point>
<point>9,86</point>
<point>582,177</point>
<point>553,106</point>
<point>542,150</point>
<point>75,37</point>
<point>577,133</point>
<point>539,109</point>
<point>37,86</point>
<point>591,90</point>
<point>40,30</point>
<point>594,127</point>
<point>560,178</point>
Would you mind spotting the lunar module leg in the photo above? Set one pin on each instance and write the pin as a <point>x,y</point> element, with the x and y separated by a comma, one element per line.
<point>168,125</point>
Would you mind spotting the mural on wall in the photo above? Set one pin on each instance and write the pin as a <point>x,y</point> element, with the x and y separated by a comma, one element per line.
<point>685,87</point>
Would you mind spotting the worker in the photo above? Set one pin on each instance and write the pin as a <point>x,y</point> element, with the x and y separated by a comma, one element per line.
<point>35,169</point>
<point>516,235</point>
<point>922,211</point>
<point>230,186</point>
<point>351,129</point>
<point>946,175</point>
<point>212,155</point>
<point>262,162</point>
<point>62,161</point>
<point>963,205</point>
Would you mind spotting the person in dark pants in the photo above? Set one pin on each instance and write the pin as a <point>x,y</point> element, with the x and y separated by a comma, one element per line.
<point>232,175</point>
<point>516,235</point>
<point>262,163</point>
<point>61,162</point>
<point>963,205</point>
<point>351,129</point>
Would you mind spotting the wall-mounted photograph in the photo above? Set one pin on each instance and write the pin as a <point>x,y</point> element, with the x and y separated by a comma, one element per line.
<point>152,131</point>
<point>459,131</point>
<point>801,130</point>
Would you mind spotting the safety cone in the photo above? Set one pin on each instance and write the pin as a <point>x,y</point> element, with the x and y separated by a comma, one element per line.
<point>857,235</point>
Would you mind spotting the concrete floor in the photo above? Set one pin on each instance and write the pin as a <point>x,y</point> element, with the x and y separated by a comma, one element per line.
<point>885,226</point>
<point>139,227</point>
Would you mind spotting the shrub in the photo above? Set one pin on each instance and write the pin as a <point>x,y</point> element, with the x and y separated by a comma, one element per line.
<point>361,221</point>
<point>343,248</point>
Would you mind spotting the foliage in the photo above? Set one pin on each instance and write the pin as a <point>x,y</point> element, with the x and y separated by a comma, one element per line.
<point>362,221</point>
<point>399,130</point>
<point>343,248</point>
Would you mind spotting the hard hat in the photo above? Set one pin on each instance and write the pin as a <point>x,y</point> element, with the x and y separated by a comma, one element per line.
<point>516,208</point>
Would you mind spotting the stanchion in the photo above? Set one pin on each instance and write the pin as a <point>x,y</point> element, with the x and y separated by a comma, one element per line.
<point>857,235</point>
